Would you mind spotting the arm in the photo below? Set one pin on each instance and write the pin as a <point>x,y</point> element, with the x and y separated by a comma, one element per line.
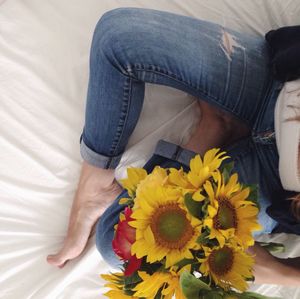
<point>272,270</point>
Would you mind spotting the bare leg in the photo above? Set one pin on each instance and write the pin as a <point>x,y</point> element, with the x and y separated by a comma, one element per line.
<point>97,187</point>
<point>96,190</point>
<point>216,128</point>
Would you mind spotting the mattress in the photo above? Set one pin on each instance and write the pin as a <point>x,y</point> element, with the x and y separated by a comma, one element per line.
<point>44,52</point>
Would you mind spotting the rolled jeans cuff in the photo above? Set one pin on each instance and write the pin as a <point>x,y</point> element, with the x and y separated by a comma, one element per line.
<point>174,152</point>
<point>97,159</point>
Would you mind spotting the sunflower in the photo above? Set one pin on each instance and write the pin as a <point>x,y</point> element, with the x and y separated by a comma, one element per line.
<point>158,177</point>
<point>134,177</point>
<point>116,284</point>
<point>227,266</point>
<point>167,282</point>
<point>229,213</point>
<point>164,227</point>
<point>178,178</point>
<point>200,170</point>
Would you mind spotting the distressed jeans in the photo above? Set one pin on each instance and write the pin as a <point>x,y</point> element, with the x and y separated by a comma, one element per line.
<point>228,69</point>
<point>134,46</point>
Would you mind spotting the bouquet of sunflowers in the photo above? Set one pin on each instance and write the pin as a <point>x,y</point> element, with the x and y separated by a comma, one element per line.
<point>185,234</point>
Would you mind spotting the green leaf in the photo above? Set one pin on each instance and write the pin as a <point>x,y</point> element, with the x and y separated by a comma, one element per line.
<point>158,294</point>
<point>150,268</point>
<point>185,262</point>
<point>232,295</point>
<point>191,286</point>
<point>227,170</point>
<point>273,247</point>
<point>134,278</point>
<point>228,167</point>
<point>251,295</point>
<point>202,239</point>
<point>253,195</point>
<point>214,295</point>
<point>204,207</point>
<point>128,292</point>
<point>194,207</point>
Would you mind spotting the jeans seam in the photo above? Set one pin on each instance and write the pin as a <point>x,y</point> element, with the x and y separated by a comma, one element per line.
<point>266,137</point>
<point>161,71</point>
<point>268,94</point>
<point>127,101</point>
<point>176,153</point>
<point>108,163</point>
<point>243,80</point>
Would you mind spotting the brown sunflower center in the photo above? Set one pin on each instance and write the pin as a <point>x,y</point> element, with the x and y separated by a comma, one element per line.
<point>170,226</point>
<point>226,216</point>
<point>221,260</point>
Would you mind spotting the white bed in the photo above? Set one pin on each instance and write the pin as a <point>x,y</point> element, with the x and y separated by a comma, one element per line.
<point>44,51</point>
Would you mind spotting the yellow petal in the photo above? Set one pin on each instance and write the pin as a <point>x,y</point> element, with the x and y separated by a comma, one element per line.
<point>172,258</point>
<point>241,195</point>
<point>208,222</point>
<point>123,201</point>
<point>149,237</point>
<point>212,212</point>
<point>209,190</point>
<point>197,196</point>
<point>196,164</point>
<point>134,176</point>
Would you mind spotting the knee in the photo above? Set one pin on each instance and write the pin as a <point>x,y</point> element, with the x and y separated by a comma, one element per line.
<point>119,13</point>
<point>114,17</point>
<point>121,32</point>
<point>110,36</point>
<point>114,25</point>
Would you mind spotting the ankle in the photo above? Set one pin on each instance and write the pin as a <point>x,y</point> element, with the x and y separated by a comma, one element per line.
<point>94,179</point>
<point>210,132</point>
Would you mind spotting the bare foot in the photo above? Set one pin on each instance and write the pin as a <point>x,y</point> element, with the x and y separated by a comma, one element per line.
<point>96,190</point>
<point>216,128</point>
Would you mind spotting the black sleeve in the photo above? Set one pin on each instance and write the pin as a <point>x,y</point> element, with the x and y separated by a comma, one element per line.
<point>285,52</point>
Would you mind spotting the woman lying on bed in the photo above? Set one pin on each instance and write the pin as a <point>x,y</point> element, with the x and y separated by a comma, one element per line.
<point>229,75</point>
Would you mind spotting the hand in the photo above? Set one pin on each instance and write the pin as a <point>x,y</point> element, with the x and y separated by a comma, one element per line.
<point>96,190</point>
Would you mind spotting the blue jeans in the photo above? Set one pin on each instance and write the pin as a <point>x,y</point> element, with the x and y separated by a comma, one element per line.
<point>228,69</point>
<point>133,46</point>
<point>244,154</point>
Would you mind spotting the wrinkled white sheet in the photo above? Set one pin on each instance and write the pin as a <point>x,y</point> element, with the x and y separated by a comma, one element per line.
<point>44,50</point>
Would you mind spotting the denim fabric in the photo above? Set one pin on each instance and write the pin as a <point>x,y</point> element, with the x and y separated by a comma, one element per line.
<point>257,157</point>
<point>166,155</point>
<point>228,69</point>
<point>134,46</point>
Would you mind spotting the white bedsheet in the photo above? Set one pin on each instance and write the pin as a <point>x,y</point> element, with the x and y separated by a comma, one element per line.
<point>44,50</point>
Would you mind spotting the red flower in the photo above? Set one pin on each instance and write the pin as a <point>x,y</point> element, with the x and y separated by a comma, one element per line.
<point>124,238</point>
